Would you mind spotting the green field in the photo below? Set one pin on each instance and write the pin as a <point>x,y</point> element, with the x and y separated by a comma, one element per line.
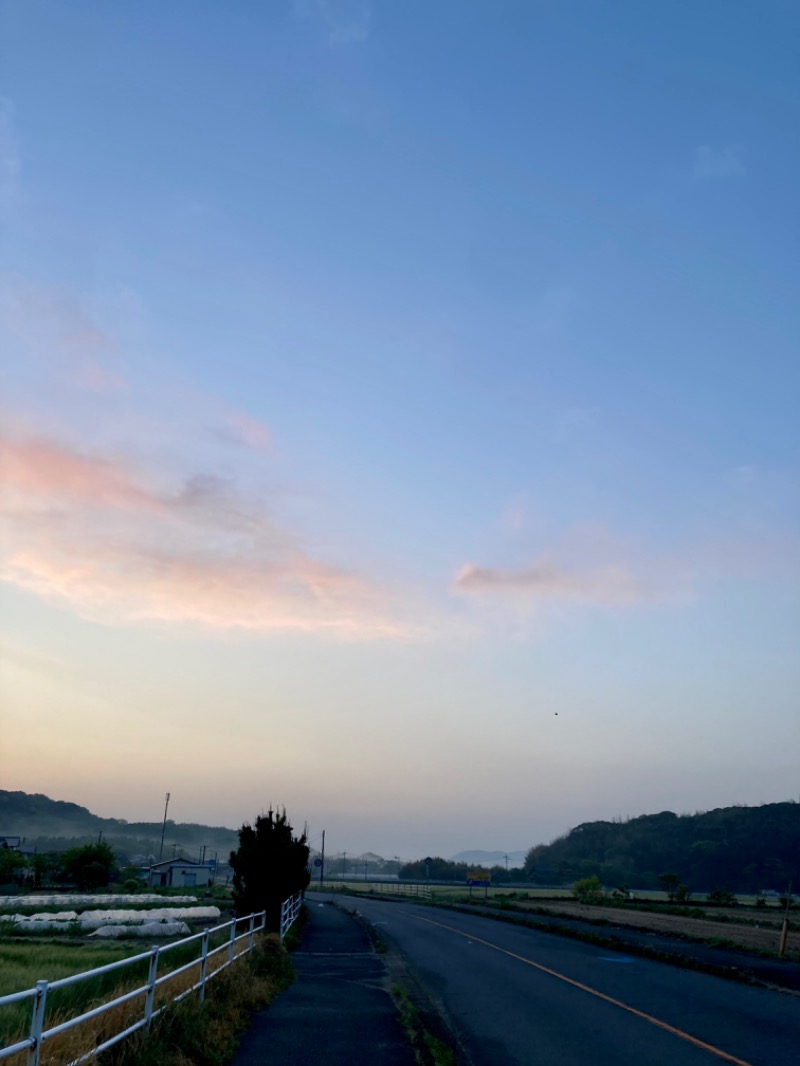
<point>22,964</point>
<point>459,893</point>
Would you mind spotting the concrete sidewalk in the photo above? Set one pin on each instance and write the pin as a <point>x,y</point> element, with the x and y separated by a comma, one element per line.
<point>338,1011</point>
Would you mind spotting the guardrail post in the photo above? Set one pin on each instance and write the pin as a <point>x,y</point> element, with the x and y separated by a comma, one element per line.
<point>149,999</point>
<point>232,944</point>
<point>37,1023</point>
<point>203,964</point>
<point>251,931</point>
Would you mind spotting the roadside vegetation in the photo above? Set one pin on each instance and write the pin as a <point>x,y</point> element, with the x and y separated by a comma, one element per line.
<point>428,1048</point>
<point>192,1033</point>
<point>22,964</point>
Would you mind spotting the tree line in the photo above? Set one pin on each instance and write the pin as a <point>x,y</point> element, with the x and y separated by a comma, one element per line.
<point>436,868</point>
<point>87,867</point>
<point>746,849</point>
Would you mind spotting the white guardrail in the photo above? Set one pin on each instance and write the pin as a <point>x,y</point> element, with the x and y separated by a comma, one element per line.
<point>38,1035</point>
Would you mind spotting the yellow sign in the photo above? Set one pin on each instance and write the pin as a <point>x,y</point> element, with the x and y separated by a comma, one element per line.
<point>479,877</point>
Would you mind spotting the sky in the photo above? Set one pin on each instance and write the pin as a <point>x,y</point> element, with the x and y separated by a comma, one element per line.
<point>398,416</point>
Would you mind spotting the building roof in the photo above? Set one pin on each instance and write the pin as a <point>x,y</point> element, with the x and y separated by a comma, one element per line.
<point>180,862</point>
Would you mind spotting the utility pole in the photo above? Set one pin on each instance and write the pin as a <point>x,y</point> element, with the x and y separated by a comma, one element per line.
<point>322,861</point>
<point>163,829</point>
<point>344,864</point>
<point>785,926</point>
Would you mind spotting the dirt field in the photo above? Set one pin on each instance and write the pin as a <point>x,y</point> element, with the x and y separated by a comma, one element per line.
<point>761,937</point>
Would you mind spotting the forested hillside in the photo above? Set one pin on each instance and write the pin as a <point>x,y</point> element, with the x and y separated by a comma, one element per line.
<point>746,849</point>
<point>54,825</point>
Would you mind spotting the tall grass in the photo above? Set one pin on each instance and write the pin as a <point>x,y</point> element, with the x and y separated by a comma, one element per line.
<point>22,965</point>
<point>192,1033</point>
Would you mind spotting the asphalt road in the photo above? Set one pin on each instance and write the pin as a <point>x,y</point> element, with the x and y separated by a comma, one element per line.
<point>520,996</point>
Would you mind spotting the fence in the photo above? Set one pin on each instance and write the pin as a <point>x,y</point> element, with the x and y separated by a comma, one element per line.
<point>232,947</point>
<point>290,908</point>
<point>377,888</point>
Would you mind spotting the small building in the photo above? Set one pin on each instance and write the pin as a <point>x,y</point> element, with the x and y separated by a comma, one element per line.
<point>13,843</point>
<point>178,873</point>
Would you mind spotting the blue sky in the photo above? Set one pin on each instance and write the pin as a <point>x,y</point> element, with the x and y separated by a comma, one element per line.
<point>399,412</point>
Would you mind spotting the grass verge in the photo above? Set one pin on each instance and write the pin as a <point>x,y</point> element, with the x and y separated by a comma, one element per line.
<point>192,1033</point>
<point>429,1049</point>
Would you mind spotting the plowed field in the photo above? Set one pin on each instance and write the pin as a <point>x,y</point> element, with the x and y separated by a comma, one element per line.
<point>760,937</point>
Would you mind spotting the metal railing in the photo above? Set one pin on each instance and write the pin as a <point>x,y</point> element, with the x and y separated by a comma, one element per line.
<point>230,949</point>
<point>290,908</point>
<point>408,889</point>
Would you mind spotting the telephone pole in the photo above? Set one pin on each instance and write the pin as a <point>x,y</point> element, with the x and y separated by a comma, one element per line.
<point>163,830</point>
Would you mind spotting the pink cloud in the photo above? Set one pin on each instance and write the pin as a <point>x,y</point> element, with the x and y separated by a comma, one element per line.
<point>612,585</point>
<point>249,431</point>
<point>121,583</point>
<point>85,532</point>
<point>40,468</point>
<point>98,378</point>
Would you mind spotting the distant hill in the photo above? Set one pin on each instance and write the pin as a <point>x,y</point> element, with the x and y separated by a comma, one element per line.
<point>745,849</point>
<point>54,825</point>
<point>490,858</point>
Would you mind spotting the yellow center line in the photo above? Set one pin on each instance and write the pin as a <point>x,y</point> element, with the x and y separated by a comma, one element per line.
<point>595,992</point>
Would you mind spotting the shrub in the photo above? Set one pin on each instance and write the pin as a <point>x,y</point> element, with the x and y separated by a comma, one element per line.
<point>722,897</point>
<point>588,889</point>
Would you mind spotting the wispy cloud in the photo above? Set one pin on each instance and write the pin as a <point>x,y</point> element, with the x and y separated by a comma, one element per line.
<point>345,21</point>
<point>46,472</point>
<point>723,162</point>
<point>249,431</point>
<point>125,509</point>
<point>91,533</point>
<point>545,580</point>
<point>54,326</point>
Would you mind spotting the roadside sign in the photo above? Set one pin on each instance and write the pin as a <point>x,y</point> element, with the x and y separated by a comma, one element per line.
<point>318,862</point>
<point>479,877</point>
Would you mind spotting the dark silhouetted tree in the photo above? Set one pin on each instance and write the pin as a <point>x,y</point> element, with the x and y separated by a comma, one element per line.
<point>669,884</point>
<point>270,865</point>
<point>90,866</point>
<point>11,865</point>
